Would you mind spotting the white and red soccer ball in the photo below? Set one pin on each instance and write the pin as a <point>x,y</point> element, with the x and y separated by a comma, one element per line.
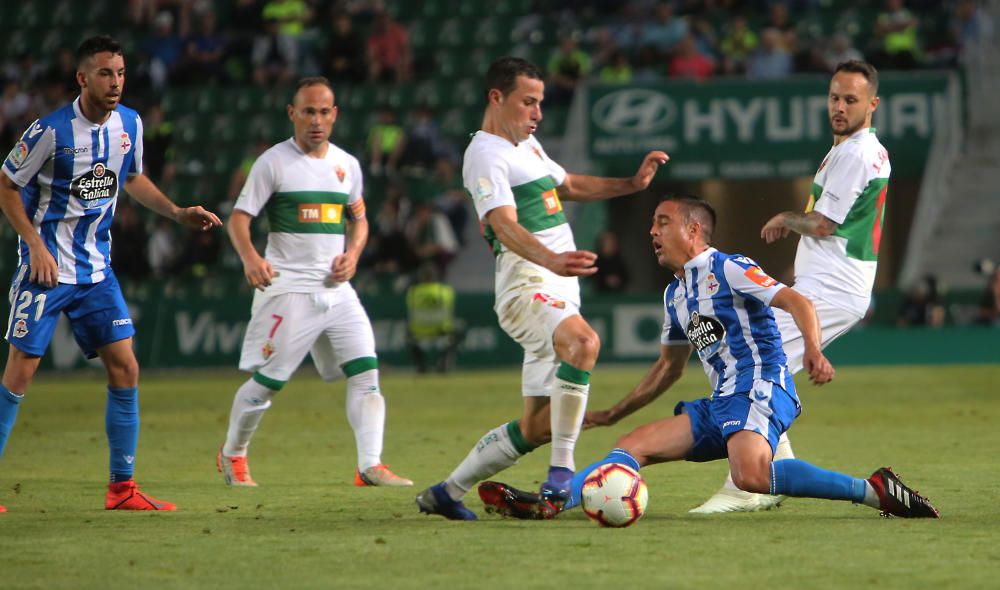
<point>614,495</point>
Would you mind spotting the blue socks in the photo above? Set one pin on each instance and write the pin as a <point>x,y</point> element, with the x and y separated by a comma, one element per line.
<point>615,456</point>
<point>9,403</point>
<point>122,425</point>
<point>794,477</point>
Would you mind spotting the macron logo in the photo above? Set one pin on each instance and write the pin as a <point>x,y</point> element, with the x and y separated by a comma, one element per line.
<point>35,130</point>
<point>121,322</point>
<point>729,423</point>
<point>128,458</point>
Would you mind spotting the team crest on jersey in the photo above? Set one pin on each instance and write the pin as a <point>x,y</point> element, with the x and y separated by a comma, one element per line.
<point>711,284</point>
<point>544,299</point>
<point>267,350</point>
<point>538,153</point>
<point>706,334</point>
<point>755,274</point>
<point>18,154</point>
<point>822,165</point>
<point>126,143</point>
<point>341,173</point>
<point>95,186</point>
<point>20,329</point>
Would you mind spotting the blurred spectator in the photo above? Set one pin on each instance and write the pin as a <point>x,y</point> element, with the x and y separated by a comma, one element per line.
<point>778,19</point>
<point>386,141</point>
<point>771,60</point>
<point>162,250</point>
<point>425,147</point>
<point>612,272</point>
<point>63,71</point>
<point>811,58</point>
<point>617,70</point>
<point>291,15</point>
<point>989,305</point>
<point>164,50</point>
<point>840,51</point>
<point>737,45</point>
<point>344,60</point>
<point>688,62</point>
<point>205,50</point>
<point>128,242</point>
<point>923,305</point>
<point>896,27</point>
<point>388,50</point>
<point>433,333</point>
<point>970,25</point>
<point>24,70</point>
<point>239,176</point>
<point>454,205</point>
<point>274,56</point>
<point>567,67</point>
<point>429,234</point>
<point>15,107</point>
<point>647,65</point>
<point>705,38</point>
<point>665,30</point>
<point>157,140</point>
<point>200,254</point>
<point>391,252</point>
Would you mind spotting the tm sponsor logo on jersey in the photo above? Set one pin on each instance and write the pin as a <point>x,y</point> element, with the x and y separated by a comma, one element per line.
<point>95,186</point>
<point>320,213</point>
<point>706,334</point>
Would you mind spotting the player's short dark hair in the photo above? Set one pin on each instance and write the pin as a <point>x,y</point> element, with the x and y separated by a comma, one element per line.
<point>503,74</point>
<point>696,209</point>
<point>313,81</point>
<point>864,68</point>
<point>94,45</point>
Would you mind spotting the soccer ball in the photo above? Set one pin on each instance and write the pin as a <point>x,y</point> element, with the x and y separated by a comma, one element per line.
<point>614,495</point>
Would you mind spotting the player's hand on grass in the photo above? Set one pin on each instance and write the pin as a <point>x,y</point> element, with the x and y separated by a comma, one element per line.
<point>258,273</point>
<point>576,263</point>
<point>44,270</point>
<point>819,368</point>
<point>343,268</point>
<point>647,170</point>
<point>774,229</point>
<point>594,418</point>
<point>198,218</point>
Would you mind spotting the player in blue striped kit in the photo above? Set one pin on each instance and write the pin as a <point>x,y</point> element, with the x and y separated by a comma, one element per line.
<point>721,304</point>
<point>58,189</point>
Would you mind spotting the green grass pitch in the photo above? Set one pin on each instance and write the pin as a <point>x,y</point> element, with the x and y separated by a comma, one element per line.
<point>307,526</point>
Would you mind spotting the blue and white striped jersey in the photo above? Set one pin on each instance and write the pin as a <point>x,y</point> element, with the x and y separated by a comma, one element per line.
<point>70,171</point>
<point>722,307</point>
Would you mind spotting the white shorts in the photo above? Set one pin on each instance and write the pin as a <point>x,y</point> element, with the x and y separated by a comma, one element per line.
<point>284,328</point>
<point>530,317</point>
<point>834,322</point>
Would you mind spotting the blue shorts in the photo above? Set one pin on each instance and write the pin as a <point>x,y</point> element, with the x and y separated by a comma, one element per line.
<point>767,410</point>
<point>97,314</point>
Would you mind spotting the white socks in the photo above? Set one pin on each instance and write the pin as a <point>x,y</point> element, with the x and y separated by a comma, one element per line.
<point>568,404</point>
<point>491,455</point>
<point>366,414</point>
<point>251,401</point>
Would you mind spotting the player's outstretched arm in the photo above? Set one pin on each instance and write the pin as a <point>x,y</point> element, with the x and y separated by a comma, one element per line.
<point>576,263</point>
<point>143,190</point>
<point>819,368</point>
<point>664,372</point>
<point>811,224</point>
<point>579,187</point>
<point>257,271</point>
<point>44,270</point>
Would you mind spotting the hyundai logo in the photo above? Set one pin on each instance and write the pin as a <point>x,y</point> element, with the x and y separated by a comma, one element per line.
<point>635,110</point>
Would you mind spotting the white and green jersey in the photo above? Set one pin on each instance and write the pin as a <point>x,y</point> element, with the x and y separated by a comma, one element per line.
<point>497,173</point>
<point>307,201</point>
<point>850,189</point>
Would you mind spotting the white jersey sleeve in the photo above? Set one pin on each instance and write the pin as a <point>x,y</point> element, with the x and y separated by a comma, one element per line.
<point>748,280</point>
<point>487,178</point>
<point>137,148</point>
<point>672,332</point>
<point>35,147</point>
<point>846,178</point>
<point>259,187</point>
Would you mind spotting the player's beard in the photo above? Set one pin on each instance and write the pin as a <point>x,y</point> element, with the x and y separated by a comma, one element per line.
<point>849,130</point>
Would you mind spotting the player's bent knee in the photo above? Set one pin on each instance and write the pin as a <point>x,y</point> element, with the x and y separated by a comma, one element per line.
<point>753,482</point>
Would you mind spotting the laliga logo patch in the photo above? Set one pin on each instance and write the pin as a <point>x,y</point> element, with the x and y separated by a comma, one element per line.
<point>18,154</point>
<point>126,144</point>
<point>20,329</point>
<point>755,274</point>
<point>267,350</point>
<point>341,174</point>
